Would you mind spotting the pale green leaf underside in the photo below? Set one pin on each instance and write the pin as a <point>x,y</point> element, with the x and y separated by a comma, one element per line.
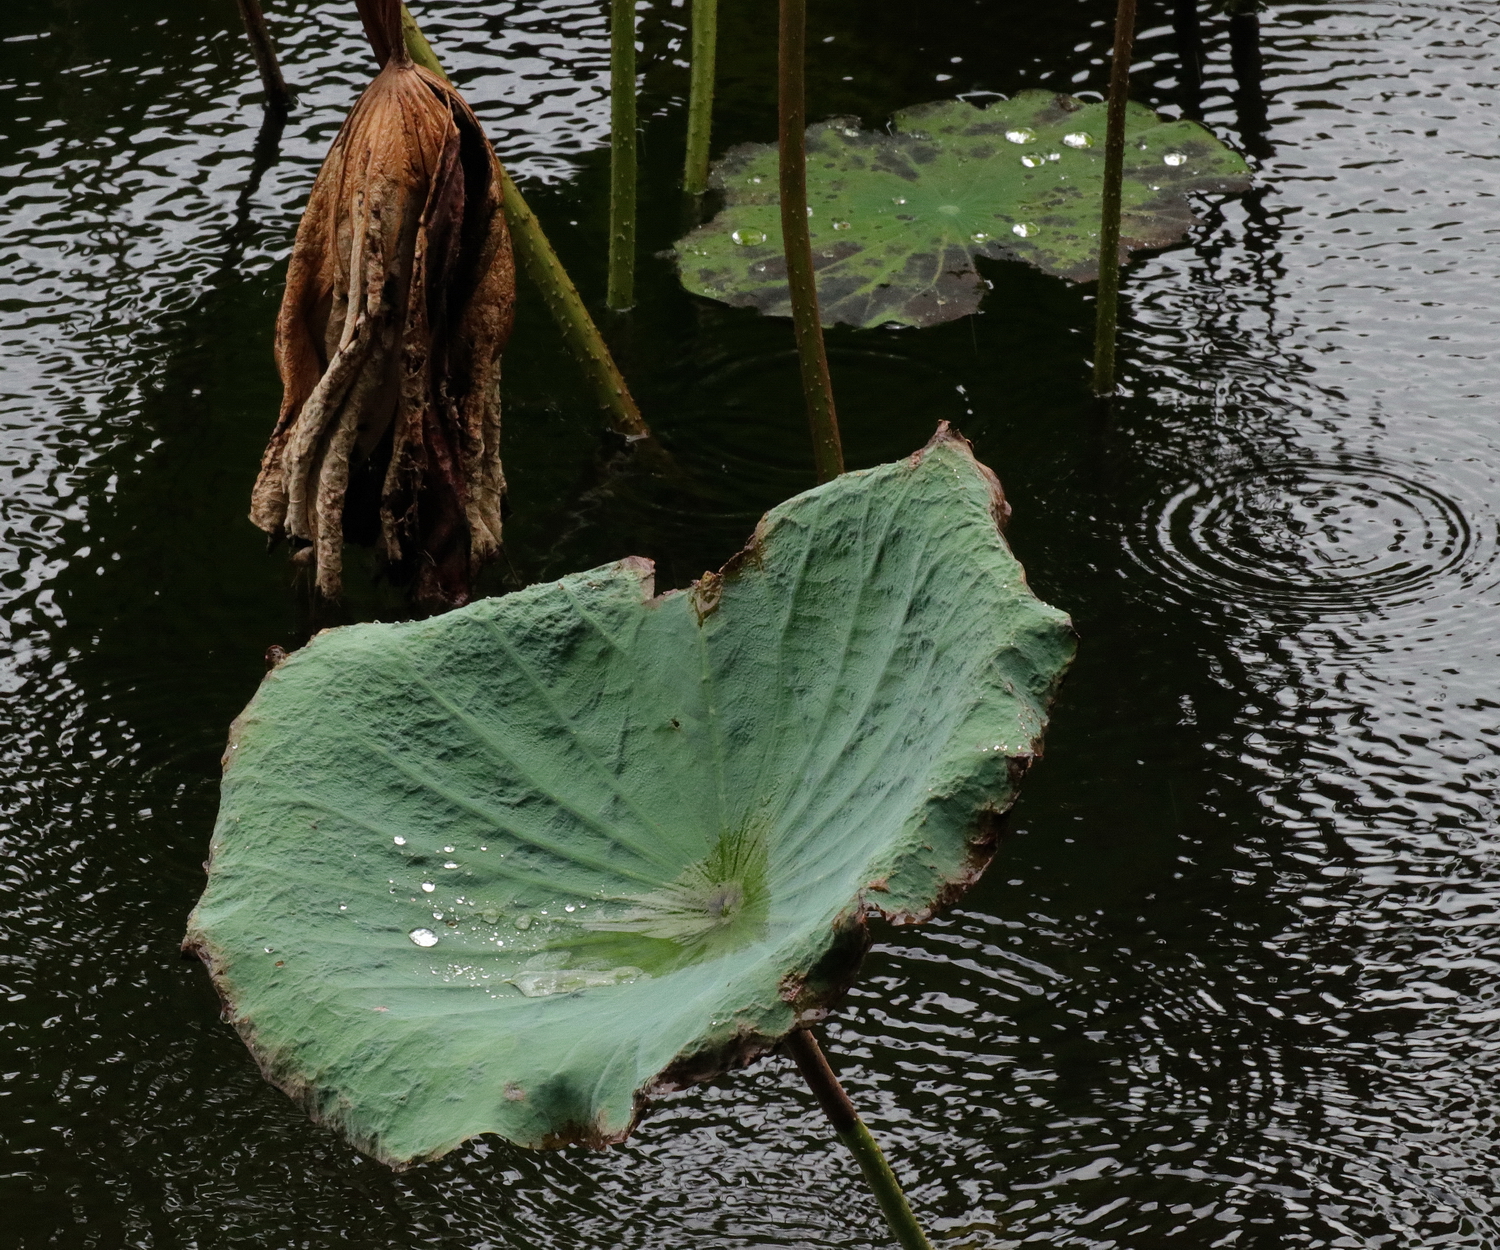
<point>898,218</point>
<point>651,827</point>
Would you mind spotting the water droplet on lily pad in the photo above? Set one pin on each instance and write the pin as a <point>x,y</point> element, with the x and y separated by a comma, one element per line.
<point>569,980</point>
<point>399,840</point>
<point>523,922</point>
<point>423,937</point>
<point>1033,160</point>
<point>1175,158</point>
<point>979,236</point>
<point>898,199</point>
<point>950,210</point>
<point>1020,135</point>
<point>428,887</point>
<point>450,864</point>
<point>841,225</point>
<point>748,237</point>
<point>490,917</point>
<point>1023,228</point>
<point>1079,139</point>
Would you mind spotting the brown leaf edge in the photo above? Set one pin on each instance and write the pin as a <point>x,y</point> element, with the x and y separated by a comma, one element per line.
<point>811,993</point>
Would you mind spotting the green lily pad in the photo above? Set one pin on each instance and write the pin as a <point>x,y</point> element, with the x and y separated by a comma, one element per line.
<point>897,218</point>
<point>515,868</point>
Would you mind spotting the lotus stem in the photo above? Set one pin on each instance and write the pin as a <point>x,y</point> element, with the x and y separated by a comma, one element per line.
<point>817,387</point>
<point>1107,303</point>
<point>620,293</point>
<point>701,95</point>
<point>278,98</point>
<point>543,268</point>
<point>1190,56</point>
<point>1245,60</point>
<point>851,1130</point>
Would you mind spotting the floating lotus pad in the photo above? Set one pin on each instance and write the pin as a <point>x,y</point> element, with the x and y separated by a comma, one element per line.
<point>514,868</point>
<point>897,218</point>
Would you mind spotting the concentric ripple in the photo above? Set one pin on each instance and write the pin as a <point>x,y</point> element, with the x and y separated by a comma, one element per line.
<point>1321,537</point>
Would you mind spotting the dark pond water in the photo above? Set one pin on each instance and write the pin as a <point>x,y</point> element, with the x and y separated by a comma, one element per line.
<point>1232,982</point>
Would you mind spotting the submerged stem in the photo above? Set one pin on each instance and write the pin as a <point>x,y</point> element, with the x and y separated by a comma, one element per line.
<point>1108,299</point>
<point>543,268</point>
<point>278,98</point>
<point>622,161</point>
<point>817,387</point>
<point>701,95</point>
<point>851,1130</point>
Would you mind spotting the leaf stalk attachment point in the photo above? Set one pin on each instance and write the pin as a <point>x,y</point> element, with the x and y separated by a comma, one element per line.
<point>546,271</point>
<point>1107,302</point>
<point>701,95</point>
<point>620,293</point>
<point>850,1129</point>
<point>817,387</point>
<point>278,98</point>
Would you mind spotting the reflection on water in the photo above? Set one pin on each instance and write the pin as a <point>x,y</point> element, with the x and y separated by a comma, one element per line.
<point>1233,981</point>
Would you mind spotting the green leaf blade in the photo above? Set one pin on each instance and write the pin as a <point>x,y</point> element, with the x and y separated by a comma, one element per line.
<point>898,218</point>
<point>652,827</point>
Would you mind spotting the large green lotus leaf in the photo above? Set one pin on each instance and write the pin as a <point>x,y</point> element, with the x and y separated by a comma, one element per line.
<point>516,867</point>
<point>897,218</point>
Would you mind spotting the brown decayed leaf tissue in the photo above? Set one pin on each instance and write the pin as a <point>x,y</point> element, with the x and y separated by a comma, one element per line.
<point>399,300</point>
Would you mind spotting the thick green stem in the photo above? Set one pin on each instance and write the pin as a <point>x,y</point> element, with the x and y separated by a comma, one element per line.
<point>851,1130</point>
<point>701,95</point>
<point>817,387</point>
<point>1108,299</point>
<point>621,291</point>
<point>278,98</point>
<point>544,269</point>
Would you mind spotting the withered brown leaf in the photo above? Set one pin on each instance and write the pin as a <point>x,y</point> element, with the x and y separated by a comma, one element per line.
<point>399,300</point>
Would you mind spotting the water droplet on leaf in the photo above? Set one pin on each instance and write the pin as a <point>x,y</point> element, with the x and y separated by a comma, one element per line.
<point>1175,158</point>
<point>428,887</point>
<point>1020,136</point>
<point>1079,139</point>
<point>748,238</point>
<point>1023,228</point>
<point>423,937</point>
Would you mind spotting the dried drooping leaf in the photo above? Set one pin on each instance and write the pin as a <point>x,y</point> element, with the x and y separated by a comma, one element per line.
<point>399,299</point>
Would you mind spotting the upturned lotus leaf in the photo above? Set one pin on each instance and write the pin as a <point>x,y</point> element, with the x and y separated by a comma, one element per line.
<point>515,868</point>
<point>897,217</point>
<point>398,303</point>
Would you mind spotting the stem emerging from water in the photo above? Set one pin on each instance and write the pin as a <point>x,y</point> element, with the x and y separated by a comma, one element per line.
<point>817,387</point>
<point>543,267</point>
<point>851,1130</point>
<point>621,292</point>
<point>701,95</point>
<point>1108,300</point>
<point>278,98</point>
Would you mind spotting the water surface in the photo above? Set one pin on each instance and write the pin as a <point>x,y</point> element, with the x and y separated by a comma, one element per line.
<point>1231,982</point>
